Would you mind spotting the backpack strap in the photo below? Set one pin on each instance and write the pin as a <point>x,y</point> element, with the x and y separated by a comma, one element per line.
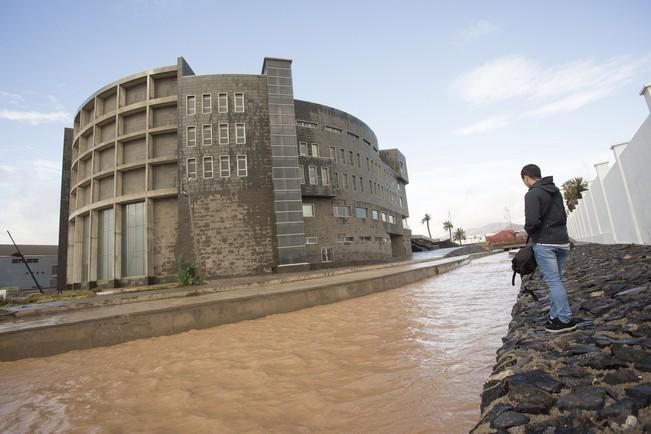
<point>513,278</point>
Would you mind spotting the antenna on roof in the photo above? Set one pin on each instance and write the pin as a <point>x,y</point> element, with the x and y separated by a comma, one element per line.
<point>20,255</point>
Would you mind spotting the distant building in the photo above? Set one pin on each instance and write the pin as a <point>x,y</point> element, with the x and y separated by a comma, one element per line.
<point>42,260</point>
<point>227,171</point>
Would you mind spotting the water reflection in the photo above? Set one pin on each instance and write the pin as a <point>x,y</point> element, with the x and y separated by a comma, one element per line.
<point>408,360</point>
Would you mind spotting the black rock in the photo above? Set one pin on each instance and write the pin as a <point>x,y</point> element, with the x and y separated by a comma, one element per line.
<point>559,425</point>
<point>644,365</point>
<point>492,391</point>
<point>619,410</point>
<point>538,378</point>
<point>496,410</point>
<point>583,398</point>
<point>641,394</point>
<point>598,306</point>
<point>629,354</point>
<point>573,371</point>
<point>582,349</point>
<point>602,361</point>
<point>574,382</point>
<point>530,399</point>
<point>621,376</point>
<point>509,419</point>
<point>632,291</point>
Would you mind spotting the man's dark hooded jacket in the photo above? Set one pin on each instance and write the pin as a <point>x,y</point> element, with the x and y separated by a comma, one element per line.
<point>545,218</point>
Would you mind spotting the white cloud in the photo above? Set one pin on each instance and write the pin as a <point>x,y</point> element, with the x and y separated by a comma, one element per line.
<point>480,28</point>
<point>34,117</point>
<point>485,125</point>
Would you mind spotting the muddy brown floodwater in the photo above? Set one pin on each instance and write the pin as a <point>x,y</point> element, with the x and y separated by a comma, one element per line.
<point>409,360</point>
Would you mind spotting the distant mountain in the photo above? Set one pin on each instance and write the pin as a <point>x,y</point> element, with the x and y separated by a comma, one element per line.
<point>492,228</point>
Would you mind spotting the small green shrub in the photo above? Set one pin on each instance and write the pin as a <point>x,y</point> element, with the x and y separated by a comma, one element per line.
<point>188,273</point>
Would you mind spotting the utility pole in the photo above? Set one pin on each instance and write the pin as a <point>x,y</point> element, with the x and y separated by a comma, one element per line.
<point>25,262</point>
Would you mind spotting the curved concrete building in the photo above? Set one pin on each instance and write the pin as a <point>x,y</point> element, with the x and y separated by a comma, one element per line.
<point>226,171</point>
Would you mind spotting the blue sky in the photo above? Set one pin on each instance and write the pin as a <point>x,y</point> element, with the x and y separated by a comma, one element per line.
<point>469,91</point>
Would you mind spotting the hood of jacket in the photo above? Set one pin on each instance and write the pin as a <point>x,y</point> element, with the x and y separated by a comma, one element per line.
<point>546,184</point>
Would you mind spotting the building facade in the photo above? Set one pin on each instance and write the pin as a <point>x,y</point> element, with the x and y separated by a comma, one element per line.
<point>225,171</point>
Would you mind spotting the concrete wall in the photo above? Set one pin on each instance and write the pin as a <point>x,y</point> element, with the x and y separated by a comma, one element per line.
<point>14,274</point>
<point>617,207</point>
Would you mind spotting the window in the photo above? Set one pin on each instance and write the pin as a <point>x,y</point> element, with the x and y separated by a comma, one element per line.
<point>105,245</point>
<point>361,213</point>
<point>368,164</point>
<point>325,176</point>
<point>384,217</point>
<point>342,156</point>
<point>366,238</point>
<point>223,134</point>
<point>192,136</point>
<point>367,142</point>
<point>133,239</point>
<point>206,103</point>
<point>207,167</point>
<point>224,166</point>
<point>315,149</point>
<point>361,184</point>
<point>359,161</point>
<point>311,240</point>
<point>353,135</point>
<point>370,186</point>
<point>242,169</point>
<point>391,219</point>
<point>302,149</point>
<point>308,210</point>
<point>401,203</point>
<point>192,169</point>
<point>301,169</point>
<point>333,153</point>
<point>332,129</point>
<point>402,167</point>
<point>191,105</point>
<point>354,183</point>
<point>222,103</point>
<point>336,180</point>
<point>346,186</point>
<point>350,158</point>
<point>239,103</point>
<point>344,239</point>
<point>207,135</point>
<point>374,214</point>
<point>312,175</point>
<point>240,134</point>
<point>327,254</point>
<point>306,124</point>
<point>341,211</point>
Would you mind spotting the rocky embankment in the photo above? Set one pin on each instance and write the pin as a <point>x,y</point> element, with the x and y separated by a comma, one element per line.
<point>592,380</point>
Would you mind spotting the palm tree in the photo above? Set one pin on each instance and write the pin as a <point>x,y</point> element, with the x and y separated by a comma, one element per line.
<point>459,235</point>
<point>572,189</point>
<point>448,226</point>
<point>426,220</point>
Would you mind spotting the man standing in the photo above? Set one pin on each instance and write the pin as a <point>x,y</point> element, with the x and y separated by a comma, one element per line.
<point>545,223</point>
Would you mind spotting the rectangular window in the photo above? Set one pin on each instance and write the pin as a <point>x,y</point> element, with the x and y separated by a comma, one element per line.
<point>207,167</point>
<point>311,240</point>
<point>206,103</point>
<point>207,135</point>
<point>384,217</point>
<point>370,186</point>
<point>350,158</point>
<point>325,176</point>
<point>225,166</point>
<point>368,164</point>
<point>301,170</point>
<point>366,238</point>
<point>341,211</point>
<point>308,210</point>
<point>105,245</point>
<point>242,169</point>
<point>192,136</point>
<point>401,203</point>
<point>374,214</point>
<point>354,183</point>
<point>222,103</point>
<point>223,134</point>
<point>191,105</point>
<point>306,124</point>
<point>344,239</point>
<point>239,103</point>
<point>361,213</point>
<point>332,129</point>
<point>361,184</point>
<point>353,135</point>
<point>346,186</point>
<point>315,149</point>
<point>312,175</point>
<point>327,254</point>
<point>240,134</point>
<point>342,156</point>
<point>192,169</point>
<point>359,161</point>
<point>367,142</point>
<point>302,149</point>
<point>333,153</point>
<point>336,180</point>
<point>391,219</point>
<point>133,239</point>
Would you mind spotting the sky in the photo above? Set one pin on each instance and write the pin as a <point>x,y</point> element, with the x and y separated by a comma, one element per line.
<point>468,91</point>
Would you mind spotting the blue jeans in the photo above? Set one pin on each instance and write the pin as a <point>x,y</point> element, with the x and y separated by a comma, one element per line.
<point>550,262</point>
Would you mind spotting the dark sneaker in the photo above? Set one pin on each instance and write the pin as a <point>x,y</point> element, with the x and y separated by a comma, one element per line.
<point>558,326</point>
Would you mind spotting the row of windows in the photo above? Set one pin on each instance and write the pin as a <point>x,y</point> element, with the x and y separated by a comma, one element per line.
<point>313,175</point>
<point>223,134</point>
<point>331,129</point>
<point>241,169</point>
<point>222,103</point>
<point>345,211</point>
<point>28,260</point>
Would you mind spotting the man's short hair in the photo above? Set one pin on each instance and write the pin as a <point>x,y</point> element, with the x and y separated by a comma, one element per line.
<point>531,170</point>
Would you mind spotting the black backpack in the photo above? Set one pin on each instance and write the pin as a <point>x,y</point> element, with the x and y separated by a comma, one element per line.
<point>524,263</point>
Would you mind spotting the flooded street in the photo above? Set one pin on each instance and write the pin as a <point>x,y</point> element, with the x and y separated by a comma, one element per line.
<point>409,360</point>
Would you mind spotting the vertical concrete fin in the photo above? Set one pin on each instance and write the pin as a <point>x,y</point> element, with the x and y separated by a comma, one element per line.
<point>64,209</point>
<point>646,92</point>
